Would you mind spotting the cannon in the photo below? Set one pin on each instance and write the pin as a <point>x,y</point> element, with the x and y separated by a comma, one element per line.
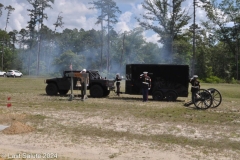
<point>206,98</point>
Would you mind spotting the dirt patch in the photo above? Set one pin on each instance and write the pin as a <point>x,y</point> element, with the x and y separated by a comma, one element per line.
<point>15,124</point>
<point>17,128</point>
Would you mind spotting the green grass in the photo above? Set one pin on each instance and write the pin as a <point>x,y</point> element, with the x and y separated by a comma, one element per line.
<point>28,97</point>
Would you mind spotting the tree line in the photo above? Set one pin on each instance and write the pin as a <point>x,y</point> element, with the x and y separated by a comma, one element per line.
<point>209,47</point>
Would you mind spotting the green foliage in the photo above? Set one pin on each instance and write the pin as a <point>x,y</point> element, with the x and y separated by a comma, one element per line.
<point>107,74</point>
<point>9,12</point>
<point>66,59</point>
<point>182,50</point>
<point>220,13</point>
<point>1,6</point>
<point>170,19</point>
<point>209,71</point>
<point>108,10</point>
<point>42,68</point>
<point>213,79</point>
<point>16,62</point>
<point>8,53</point>
<point>234,81</point>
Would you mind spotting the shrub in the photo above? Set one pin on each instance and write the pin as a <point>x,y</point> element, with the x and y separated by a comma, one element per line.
<point>213,79</point>
<point>234,81</point>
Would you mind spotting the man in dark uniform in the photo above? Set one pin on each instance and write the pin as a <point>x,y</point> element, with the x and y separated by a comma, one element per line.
<point>118,79</point>
<point>82,84</point>
<point>195,86</point>
<point>146,85</point>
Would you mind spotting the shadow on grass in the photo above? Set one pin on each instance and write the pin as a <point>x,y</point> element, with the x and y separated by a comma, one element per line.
<point>140,99</point>
<point>59,95</point>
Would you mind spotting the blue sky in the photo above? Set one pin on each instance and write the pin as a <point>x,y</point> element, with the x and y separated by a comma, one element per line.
<point>76,14</point>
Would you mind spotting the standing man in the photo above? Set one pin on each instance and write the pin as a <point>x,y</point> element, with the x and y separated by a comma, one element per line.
<point>146,85</point>
<point>82,84</point>
<point>195,86</point>
<point>118,79</point>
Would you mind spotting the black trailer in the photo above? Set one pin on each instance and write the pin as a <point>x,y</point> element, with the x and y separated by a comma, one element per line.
<point>168,81</point>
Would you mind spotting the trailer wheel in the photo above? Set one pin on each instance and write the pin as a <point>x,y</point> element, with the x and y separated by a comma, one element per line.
<point>157,95</point>
<point>171,96</point>
<point>106,93</point>
<point>63,92</point>
<point>96,91</point>
<point>51,89</point>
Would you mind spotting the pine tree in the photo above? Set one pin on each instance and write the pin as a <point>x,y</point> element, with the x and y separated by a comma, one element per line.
<point>167,20</point>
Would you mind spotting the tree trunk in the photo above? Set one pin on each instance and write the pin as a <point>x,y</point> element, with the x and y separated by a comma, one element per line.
<point>38,54</point>
<point>194,27</point>
<point>101,67</point>
<point>123,45</point>
<point>108,54</point>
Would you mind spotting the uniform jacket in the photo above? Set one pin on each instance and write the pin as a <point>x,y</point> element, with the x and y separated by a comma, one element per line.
<point>118,79</point>
<point>146,81</point>
<point>195,84</point>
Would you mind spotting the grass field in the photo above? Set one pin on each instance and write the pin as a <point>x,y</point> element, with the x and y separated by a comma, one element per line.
<point>121,123</point>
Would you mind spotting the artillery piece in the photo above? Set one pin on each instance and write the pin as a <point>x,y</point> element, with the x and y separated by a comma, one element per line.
<point>206,98</point>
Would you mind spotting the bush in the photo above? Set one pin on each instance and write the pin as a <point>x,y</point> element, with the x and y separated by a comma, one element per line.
<point>214,79</point>
<point>234,81</point>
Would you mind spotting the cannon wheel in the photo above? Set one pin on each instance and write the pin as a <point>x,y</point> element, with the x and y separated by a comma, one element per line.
<point>204,99</point>
<point>217,97</point>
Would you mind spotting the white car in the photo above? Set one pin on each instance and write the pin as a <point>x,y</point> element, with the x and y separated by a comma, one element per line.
<point>14,73</point>
<point>2,73</point>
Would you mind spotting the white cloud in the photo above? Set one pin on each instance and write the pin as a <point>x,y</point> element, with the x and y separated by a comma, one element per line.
<point>124,23</point>
<point>75,15</point>
<point>126,1</point>
<point>151,37</point>
<point>126,16</point>
<point>137,9</point>
<point>17,19</point>
<point>72,7</point>
<point>121,27</point>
